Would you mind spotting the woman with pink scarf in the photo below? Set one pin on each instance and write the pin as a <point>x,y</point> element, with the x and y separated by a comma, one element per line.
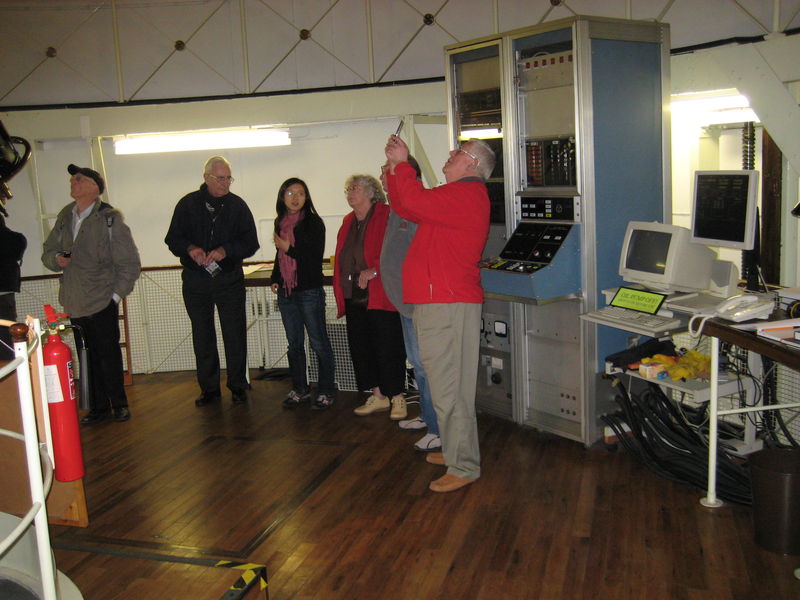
<point>297,280</point>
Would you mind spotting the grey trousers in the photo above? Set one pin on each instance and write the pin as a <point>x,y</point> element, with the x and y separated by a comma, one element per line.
<point>449,345</point>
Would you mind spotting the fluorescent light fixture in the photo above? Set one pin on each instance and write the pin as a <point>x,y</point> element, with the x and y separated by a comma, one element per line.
<point>481,134</point>
<point>211,139</point>
<point>713,108</point>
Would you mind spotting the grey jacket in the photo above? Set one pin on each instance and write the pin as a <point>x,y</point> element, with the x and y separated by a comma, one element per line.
<point>396,240</point>
<point>105,260</point>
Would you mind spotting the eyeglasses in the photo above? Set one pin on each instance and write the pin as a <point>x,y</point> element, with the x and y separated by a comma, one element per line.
<point>470,154</point>
<point>222,178</point>
<point>352,188</point>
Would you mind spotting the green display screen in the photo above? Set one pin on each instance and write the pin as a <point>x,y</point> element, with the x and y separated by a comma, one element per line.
<point>641,300</point>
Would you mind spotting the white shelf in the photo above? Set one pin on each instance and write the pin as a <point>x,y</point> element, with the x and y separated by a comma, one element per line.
<point>700,389</point>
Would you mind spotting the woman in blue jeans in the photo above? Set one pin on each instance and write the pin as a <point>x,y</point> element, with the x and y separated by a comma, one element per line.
<point>297,279</point>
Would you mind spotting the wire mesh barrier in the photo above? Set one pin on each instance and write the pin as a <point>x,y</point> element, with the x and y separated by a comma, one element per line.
<point>160,333</point>
<point>667,428</point>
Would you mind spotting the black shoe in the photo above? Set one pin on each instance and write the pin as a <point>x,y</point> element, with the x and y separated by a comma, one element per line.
<point>323,402</point>
<point>239,396</point>
<point>204,399</point>
<point>94,416</point>
<point>122,414</point>
<point>293,399</point>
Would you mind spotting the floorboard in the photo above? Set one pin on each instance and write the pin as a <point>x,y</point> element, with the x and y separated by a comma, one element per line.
<point>337,507</point>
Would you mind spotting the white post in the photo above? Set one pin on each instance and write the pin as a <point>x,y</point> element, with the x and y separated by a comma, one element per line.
<point>46,566</point>
<point>710,499</point>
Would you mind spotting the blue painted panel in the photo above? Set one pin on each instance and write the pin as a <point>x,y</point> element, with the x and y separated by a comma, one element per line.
<point>561,277</point>
<point>626,97</point>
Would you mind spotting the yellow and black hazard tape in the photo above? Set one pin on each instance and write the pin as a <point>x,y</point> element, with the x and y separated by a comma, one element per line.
<point>252,574</point>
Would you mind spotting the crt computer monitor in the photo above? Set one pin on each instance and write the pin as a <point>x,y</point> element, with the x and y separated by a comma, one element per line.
<point>724,208</point>
<point>662,257</point>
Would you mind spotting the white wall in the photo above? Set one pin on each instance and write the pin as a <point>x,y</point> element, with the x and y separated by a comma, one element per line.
<point>147,187</point>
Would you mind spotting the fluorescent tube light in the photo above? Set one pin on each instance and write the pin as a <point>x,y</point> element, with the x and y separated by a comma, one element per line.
<point>212,139</point>
<point>481,134</point>
<point>713,108</point>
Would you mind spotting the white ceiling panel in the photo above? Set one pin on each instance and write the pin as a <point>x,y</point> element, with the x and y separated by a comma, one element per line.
<point>56,83</point>
<point>533,13</point>
<point>303,14</point>
<point>270,37</point>
<point>396,27</point>
<point>312,64</point>
<point>176,21</point>
<point>181,76</point>
<point>20,55</point>
<point>347,28</point>
<point>80,39</point>
<point>211,33</point>
<point>143,49</point>
<point>451,19</point>
<point>611,8</point>
<point>340,51</point>
<point>523,14</point>
<point>425,55</point>
<point>714,20</point>
<point>218,43</point>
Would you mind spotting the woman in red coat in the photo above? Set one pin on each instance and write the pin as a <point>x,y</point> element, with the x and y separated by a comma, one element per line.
<point>374,332</point>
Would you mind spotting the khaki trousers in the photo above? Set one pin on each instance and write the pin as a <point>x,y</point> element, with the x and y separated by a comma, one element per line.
<point>449,345</point>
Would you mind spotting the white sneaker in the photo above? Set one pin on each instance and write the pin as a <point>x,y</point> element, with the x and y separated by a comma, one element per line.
<point>428,443</point>
<point>399,410</point>
<point>415,423</point>
<point>372,405</point>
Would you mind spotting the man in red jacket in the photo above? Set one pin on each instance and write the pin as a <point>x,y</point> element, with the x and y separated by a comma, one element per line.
<point>442,279</point>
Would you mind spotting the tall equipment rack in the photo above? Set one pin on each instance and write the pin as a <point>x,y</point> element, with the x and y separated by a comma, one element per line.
<point>576,112</point>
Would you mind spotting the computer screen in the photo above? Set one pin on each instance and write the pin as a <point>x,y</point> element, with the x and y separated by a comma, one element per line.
<point>724,208</point>
<point>662,257</point>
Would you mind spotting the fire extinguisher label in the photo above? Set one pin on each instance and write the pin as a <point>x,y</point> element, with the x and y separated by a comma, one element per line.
<point>52,384</point>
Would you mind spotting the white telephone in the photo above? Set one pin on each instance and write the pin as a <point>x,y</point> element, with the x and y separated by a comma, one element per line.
<point>744,307</point>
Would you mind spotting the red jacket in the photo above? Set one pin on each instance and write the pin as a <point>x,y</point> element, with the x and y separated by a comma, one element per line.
<point>442,262</point>
<point>373,242</point>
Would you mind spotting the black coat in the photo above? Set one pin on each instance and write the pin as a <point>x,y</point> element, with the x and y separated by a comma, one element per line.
<point>233,228</point>
<point>12,247</point>
<point>309,245</point>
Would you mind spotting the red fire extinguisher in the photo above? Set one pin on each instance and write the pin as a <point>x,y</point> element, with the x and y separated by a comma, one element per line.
<point>60,385</point>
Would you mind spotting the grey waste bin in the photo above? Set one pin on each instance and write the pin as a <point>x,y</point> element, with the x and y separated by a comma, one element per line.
<point>775,476</point>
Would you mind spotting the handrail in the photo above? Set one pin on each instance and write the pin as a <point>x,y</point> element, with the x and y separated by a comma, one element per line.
<point>19,530</point>
<point>33,450</point>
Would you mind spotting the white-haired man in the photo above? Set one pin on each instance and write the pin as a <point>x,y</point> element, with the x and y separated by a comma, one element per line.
<point>212,232</point>
<point>442,279</point>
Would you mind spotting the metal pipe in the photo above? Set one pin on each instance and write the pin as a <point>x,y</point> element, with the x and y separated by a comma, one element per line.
<point>117,53</point>
<point>245,55</point>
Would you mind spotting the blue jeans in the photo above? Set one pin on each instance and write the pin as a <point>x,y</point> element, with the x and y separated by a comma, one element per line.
<point>412,352</point>
<point>306,309</point>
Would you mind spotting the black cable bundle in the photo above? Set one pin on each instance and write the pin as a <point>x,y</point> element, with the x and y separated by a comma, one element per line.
<point>665,442</point>
<point>770,418</point>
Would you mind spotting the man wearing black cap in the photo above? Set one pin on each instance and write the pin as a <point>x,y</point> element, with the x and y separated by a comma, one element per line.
<point>212,232</point>
<point>92,247</point>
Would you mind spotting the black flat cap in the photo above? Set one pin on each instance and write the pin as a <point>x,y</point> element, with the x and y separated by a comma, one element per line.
<point>101,185</point>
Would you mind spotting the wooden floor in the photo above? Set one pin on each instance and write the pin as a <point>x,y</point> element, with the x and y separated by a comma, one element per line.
<point>337,506</point>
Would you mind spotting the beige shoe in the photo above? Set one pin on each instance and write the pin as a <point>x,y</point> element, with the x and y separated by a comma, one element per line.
<point>372,405</point>
<point>435,458</point>
<point>399,411</point>
<point>449,483</point>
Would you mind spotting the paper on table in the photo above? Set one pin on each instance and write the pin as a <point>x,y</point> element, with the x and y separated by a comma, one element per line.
<point>760,326</point>
<point>253,268</point>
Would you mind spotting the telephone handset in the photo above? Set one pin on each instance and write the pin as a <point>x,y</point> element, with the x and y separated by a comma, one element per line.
<point>744,307</point>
